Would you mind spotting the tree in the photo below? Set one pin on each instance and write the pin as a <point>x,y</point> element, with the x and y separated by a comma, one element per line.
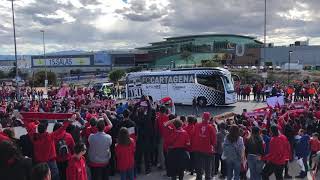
<point>78,73</point>
<point>186,56</point>
<point>116,75</point>
<point>135,69</point>
<point>12,72</point>
<point>249,77</point>
<point>210,63</point>
<point>40,76</point>
<point>3,75</point>
<point>97,71</point>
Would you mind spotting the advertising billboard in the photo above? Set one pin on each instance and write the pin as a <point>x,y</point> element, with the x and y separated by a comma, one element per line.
<point>102,59</point>
<point>62,61</point>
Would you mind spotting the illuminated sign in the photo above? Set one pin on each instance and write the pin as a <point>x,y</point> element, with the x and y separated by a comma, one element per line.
<point>61,61</point>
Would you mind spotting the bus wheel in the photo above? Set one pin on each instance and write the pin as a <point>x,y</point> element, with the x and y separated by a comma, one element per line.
<point>202,101</point>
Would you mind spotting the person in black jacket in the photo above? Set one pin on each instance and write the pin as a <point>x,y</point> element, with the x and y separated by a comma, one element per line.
<point>12,164</point>
<point>145,136</point>
<point>289,133</point>
<point>128,123</point>
<point>254,150</point>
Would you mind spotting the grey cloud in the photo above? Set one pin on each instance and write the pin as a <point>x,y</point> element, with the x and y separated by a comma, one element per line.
<point>47,21</point>
<point>139,11</point>
<point>236,16</point>
<point>148,23</point>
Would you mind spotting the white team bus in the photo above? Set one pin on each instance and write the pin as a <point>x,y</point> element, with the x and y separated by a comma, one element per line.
<point>211,86</point>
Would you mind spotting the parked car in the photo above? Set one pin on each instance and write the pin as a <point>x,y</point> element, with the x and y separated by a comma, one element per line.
<point>253,67</point>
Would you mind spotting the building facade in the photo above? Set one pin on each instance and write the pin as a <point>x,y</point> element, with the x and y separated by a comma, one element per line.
<point>196,49</point>
<point>279,55</point>
<point>68,62</point>
<point>7,62</point>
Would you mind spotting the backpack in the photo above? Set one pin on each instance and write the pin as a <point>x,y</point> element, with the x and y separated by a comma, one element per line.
<point>62,147</point>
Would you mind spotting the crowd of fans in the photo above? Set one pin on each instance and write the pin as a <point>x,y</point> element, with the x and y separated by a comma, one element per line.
<point>259,91</point>
<point>103,137</point>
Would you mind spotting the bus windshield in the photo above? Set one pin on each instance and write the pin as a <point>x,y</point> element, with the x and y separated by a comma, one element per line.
<point>228,84</point>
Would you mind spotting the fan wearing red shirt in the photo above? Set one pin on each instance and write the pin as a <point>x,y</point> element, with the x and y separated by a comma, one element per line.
<point>76,169</point>
<point>125,149</point>
<point>90,128</point>
<point>178,144</point>
<point>44,146</point>
<point>314,146</point>
<point>3,136</point>
<point>162,117</point>
<point>189,128</point>
<point>62,159</point>
<point>203,144</point>
<point>279,153</point>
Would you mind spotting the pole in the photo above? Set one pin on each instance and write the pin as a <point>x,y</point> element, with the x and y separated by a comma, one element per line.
<point>45,64</point>
<point>265,31</point>
<point>15,49</point>
<point>289,66</point>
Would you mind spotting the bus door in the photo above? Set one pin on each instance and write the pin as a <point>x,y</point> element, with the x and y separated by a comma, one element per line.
<point>164,90</point>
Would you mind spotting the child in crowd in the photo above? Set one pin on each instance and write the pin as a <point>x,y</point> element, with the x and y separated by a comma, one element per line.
<point>76,169</point>
<point>125,149</point>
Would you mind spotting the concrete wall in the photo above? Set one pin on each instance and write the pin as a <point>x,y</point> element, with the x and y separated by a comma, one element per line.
<point>306,55</point>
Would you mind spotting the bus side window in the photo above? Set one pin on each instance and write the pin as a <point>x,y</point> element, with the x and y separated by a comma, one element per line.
<point>211,81</point>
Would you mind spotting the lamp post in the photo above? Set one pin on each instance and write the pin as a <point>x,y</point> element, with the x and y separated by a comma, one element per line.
<point>290,52</point>
<point>45,65</point>
<point>15,48</point>
<point>265,31</point>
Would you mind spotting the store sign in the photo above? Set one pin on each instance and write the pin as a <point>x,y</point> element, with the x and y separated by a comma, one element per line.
<point>61,61</point>
<point>168,79</point>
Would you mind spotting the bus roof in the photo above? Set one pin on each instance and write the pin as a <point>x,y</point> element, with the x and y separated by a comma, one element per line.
<point>217,70</point>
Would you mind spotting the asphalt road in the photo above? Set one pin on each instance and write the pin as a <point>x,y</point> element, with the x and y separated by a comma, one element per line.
<point>236,108</point>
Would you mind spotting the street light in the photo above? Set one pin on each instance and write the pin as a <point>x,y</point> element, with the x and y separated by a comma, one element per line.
<point>45,65</point>
<point>15,48</point>
<point>290,52</point>
<point>265,31</point>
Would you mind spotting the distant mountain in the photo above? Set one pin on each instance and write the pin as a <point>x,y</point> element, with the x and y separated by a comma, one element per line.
<point>71,52</point>
<point>12,58</point>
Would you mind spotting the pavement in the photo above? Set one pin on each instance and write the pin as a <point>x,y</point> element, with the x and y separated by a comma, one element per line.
<point>158,175</point>
<point>236,108</point>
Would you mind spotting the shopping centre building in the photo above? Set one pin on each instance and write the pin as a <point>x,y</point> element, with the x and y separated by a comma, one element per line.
<point>227,49</point>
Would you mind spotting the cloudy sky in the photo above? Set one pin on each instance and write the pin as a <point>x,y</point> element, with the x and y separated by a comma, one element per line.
<point>120,24</point>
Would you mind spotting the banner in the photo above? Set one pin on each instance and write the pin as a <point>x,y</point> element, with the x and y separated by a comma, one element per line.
<point>275,101</point>
<point>29,116</point>
<point>58,61</point>
<point>63,92</point>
